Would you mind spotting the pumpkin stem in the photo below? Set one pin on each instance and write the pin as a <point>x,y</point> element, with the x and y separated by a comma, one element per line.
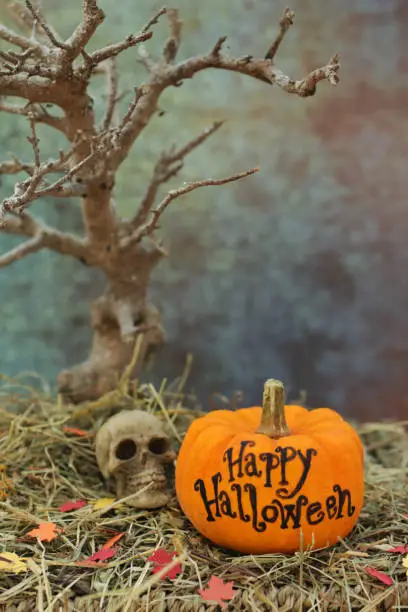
<point>273,422</point>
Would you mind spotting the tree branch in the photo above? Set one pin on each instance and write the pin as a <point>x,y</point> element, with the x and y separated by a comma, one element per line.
<point>262,70</point>
<point>20,15</point>
<point>92,60</point>
<point>14,110</point>
<point>39,19</point>
<point>285,23</point>
<point>23,249</point>
<point>115,49</point>
<point>172,44</point>
<point>179,155</point>
<point>144,58</point>
<point>37,89</point>
<point>150,225</point>
<point>58,123</point>
<point>112,75</point>
<point>15,62</point>
<point>92,17</point>
<point>33,188</point>
<point>168,165</point>
<point>38,114</point>
<point>31,20</point>
<point>41,236</point>
<point>15,166</point>
<point>34,142</point>
<point>173,75</point>
<point>154,19</point>
<point>19,41</point>
<point>26,192</point>
<point>100,153</point>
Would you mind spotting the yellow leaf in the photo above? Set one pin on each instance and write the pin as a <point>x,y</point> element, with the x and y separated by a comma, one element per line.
<point>405,563</point>
<point>10,562</point>
<point>103,502</point>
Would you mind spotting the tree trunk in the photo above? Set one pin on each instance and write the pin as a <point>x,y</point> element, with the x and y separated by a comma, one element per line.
<point>117,318</point>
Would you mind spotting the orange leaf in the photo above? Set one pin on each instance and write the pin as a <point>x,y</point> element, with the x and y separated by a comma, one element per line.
<point>45,532</point>
<point>110,543</point>
<point>75,431</point>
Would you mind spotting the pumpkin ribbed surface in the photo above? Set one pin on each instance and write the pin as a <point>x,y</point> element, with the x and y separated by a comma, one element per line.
<point>250,492</point>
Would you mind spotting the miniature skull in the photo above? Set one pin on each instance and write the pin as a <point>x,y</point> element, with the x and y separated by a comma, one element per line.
<point>133,448</point>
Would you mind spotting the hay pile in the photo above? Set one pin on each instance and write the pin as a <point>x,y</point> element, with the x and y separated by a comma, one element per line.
<point>46,465</point>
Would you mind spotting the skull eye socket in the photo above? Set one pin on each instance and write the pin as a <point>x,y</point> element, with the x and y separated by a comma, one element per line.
<point>126,449</point>
<point>158,446</point>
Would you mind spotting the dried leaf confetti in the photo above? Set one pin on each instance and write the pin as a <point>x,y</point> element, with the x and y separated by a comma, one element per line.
<point>381,576</point>
<point>10,562</point>
<point>72,505</point>
<point>45,532</point>
<point>75,431</point>
<point>103,502</point>
<point>101,555</point>
<point>160,558</point>
<point>403,548</point>
<point>405,563</point>
<point>6,485</point>
<point>110,543</point>
<point>218,591</point>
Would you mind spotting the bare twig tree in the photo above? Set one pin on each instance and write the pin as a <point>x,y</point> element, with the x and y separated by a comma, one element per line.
<point>40,68</point>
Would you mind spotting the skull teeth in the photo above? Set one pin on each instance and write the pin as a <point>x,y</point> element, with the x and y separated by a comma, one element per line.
<point>156,480</point>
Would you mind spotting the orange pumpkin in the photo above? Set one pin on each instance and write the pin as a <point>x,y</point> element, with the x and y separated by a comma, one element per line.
<point>272,479</point>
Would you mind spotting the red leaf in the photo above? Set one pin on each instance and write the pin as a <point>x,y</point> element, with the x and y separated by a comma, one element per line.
<point>75,431</point>
<point>399,549</point>
<point>172,573</point>
<point>113,540</point>
<point>384,578</point>
<point>217,590</point>
<point>161,558</point>
<point>101,555</point>
<point>72,505</point>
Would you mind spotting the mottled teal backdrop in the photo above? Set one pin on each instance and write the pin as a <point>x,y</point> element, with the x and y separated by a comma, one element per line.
<point>299,272</point>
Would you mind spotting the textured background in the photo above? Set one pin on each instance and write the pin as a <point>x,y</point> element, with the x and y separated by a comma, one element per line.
<point>299,272</point>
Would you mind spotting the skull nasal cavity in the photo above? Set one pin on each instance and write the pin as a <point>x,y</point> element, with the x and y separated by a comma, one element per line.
<point>126,449</point>
<point>158,446</point>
